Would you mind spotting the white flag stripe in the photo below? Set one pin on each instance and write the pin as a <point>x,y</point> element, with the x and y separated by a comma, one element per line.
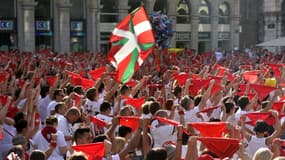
<point>140,61</point>
<point>127,48</point>
<point>142,27</point>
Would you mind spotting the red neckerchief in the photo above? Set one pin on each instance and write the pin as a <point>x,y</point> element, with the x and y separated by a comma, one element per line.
<point>47,131</point>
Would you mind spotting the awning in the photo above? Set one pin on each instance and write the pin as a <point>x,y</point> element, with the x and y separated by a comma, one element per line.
<point>273,43</point>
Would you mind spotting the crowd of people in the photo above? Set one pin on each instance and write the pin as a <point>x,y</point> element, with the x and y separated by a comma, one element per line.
<point>178,105</point>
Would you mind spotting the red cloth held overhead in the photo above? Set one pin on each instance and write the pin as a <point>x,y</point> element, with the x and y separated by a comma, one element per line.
<point>208,109</point>
<point>222,147</point>
<point>197,85</point>
<point>135,102</point>
<point>276,69</point>
<point>210,129</point>
<point>171,122</point>
<point>95,151</point>
<point>51,80</point>
<point>130,121</point>
<point>255,116</point>
<point>100,123</point>
<point>251,76</point>
<point>131,83</point>
<point>95,74</point>
<point>181,78</point>
<point>262,91</point>
<point>278,106</point>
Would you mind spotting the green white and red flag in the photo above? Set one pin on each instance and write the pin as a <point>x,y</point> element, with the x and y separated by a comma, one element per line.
<point>132,41</point>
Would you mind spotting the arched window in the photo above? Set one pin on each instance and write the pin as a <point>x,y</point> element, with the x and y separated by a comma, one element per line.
<point>224,13</point>
<point>205,12</point>
<point>183,12</point>
<point>160,6</point>
<point>109,11</point>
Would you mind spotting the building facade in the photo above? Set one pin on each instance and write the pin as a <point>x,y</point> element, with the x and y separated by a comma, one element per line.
<point>85,25</point>
<point>272,22</point>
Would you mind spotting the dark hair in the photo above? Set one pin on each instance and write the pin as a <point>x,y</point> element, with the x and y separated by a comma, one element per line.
<point>18,149</point>
<point>37,155</point>
<point>177,90</point>
<point>229,106</point>
<point>51,120</point>
<point>157,153</point>
<point>105,106</point>
<point>145,108</point>
<point>169,104</point>
<point>57,92</point>
<point>197,100</point>
<point>243,101</point>
<point>123,131</point>
<point>185,102</point>
<point>100,138</point>
<point>261,127</point>
<point>91,93</point>
<point>154,107</point>
<point>58,106</point>
<point>78,156</point>
<point>80,132</point>
<point>18,116</point>
<point>44,91</point>
<point>264,104</point>
<point>20,125</point>
<point>78,90</point>
<point>124,89</point>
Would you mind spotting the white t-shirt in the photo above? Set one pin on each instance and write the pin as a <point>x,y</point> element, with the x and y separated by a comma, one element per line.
<point>92,107</point>
<point>9,132</point>
<point>64,127</point>
<point>104,118</point>
<point>42,144</point>
<point>51,107</point>
<point>254,144</point>
<point>163,134</point>
<point>43,104</point>
<point>190,116</point>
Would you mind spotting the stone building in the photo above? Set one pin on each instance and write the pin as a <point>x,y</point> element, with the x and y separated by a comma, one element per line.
<point>81,25</point>
<point>271,21</point>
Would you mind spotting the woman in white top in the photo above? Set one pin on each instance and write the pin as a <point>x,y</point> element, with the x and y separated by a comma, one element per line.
<point>260,140</point>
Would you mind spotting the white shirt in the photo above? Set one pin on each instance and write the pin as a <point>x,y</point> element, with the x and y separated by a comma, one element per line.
<point>43,105</point>
<point>104,118</point>
<point>254,144</point>
<point>9,132</point>
<point>51,107</point>
<point>64,127</point>
<point>92,107</point>
<point>163,134</point>
<point>42,144</point>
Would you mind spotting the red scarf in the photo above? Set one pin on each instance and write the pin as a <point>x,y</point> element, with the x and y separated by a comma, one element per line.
<point>47,131</point>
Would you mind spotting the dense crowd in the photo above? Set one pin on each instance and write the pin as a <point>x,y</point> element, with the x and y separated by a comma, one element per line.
<point>178,105</point>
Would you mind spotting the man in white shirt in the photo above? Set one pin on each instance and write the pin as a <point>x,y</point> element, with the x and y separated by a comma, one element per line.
<point>57,97</point>
<point>65,123</point>
<point>105,110</point>
<point>51,141</point>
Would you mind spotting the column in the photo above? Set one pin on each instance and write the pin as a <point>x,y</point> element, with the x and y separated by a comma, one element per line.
<point>214,25</point>
<point>149,6</point>
<point>93,33</point>
<point>194,24</point>
<point>235,24</point>
<point>123,9</point>
<point>26,25</point>
<point>62,26</point>
<point>171,12</point>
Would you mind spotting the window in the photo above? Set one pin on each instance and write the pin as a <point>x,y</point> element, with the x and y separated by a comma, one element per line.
<point>77,10</point>
<point>224,13</point>
<point>271,26</point>
<point>205,12</point>
<point>44,9</point>
<point>109,11</point>
<point>7,9</point>
<point>183,12</point>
